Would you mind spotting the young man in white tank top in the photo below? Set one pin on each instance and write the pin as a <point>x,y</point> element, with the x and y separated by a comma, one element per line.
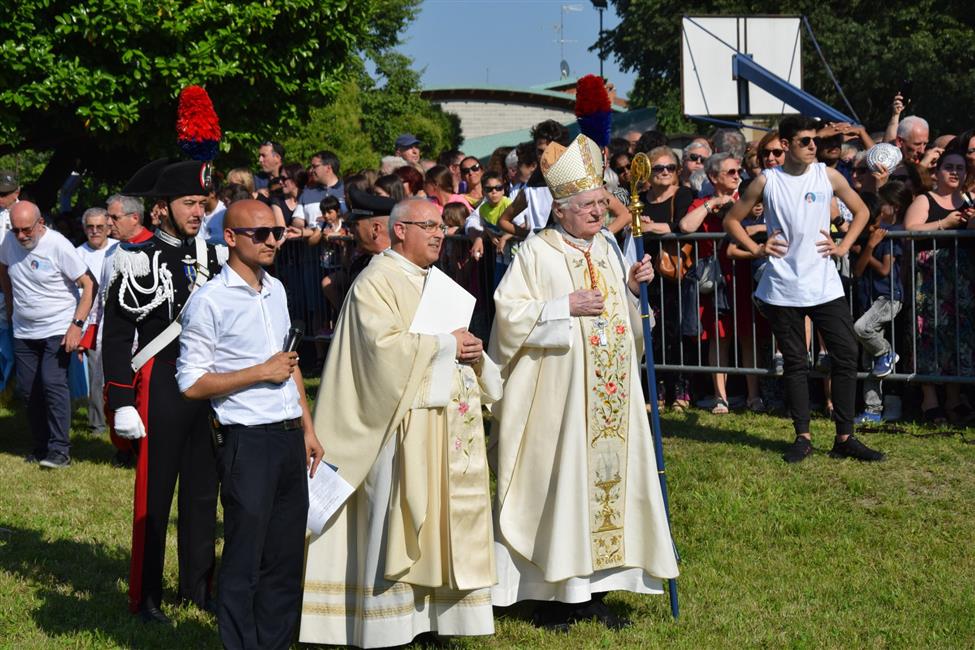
<point>801,279</point>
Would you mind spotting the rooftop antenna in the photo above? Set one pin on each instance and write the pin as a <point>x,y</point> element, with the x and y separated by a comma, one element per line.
<point>560,28</point>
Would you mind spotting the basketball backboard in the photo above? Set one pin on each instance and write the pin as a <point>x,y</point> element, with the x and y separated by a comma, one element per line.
<point>707,45</point>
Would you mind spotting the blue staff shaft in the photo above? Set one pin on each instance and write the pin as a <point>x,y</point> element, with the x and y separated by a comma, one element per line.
<point>658,445</point>
<point>639,173</point>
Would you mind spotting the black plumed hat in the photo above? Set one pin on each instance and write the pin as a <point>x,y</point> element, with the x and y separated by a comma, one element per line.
<point>166,179</point>
<point>363,205</point>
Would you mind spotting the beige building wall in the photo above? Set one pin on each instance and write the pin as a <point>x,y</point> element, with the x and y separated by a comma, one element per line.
<point>481,118</point>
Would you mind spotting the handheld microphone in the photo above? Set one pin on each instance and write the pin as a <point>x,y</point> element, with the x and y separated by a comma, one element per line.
<point>293,340</point>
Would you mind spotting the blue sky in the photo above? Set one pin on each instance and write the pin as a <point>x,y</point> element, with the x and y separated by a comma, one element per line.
<point>507,42</point>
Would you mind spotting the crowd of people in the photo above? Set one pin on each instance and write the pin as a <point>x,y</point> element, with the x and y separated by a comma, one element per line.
<point>829,249</point>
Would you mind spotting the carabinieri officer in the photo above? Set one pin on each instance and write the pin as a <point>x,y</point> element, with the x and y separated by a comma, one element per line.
<point>150,284</point>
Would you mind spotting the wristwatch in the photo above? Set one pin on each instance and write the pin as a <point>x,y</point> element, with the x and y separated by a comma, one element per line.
<point>80,323</point>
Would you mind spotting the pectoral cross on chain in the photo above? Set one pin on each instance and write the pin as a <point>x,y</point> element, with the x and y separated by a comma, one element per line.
<point>600,323</point>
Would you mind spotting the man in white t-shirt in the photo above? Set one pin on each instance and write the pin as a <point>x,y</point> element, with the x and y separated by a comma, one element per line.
<point>800,279</point>
<point>39,270</point>
<point>95,222</point>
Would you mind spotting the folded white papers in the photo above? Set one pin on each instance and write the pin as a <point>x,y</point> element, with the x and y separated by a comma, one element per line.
<point>327,491</point>
<point>444,306</point>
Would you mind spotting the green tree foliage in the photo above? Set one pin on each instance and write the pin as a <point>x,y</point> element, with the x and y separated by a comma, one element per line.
<point>336,127</point>
<point>95,82</point>
<point>391,106</point>
<point>871,46</point>
<point>362,123</point>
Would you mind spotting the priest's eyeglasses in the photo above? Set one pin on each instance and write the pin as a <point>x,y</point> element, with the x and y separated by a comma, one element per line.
<point>428,226</point>
<point>260,235</point>
<point>601,204</point>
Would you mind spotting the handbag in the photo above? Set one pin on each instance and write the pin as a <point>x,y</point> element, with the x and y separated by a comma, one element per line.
<point>707,272</point>
<point>673,261</point>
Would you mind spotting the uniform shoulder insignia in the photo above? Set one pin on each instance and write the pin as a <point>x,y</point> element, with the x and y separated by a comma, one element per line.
<point>132,262</point>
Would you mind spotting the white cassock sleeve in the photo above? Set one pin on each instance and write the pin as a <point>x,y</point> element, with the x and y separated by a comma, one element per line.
<point>438,383</point>
<point>554,326</point>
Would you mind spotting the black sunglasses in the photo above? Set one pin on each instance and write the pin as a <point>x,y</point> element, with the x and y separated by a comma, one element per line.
<point>805,140</point>
<point>773,152</point>
<point>260,235</point>
<point>695,157</point>
<point>659,169</point>
<point>494,188</point>
<point>473,168</point>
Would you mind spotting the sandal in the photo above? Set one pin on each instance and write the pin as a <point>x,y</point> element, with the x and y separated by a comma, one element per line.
<point>720,408</point>
<point>680,405</point>
<point>934,415</point>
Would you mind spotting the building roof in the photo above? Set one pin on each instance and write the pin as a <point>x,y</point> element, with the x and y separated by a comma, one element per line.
<point>535,96</point>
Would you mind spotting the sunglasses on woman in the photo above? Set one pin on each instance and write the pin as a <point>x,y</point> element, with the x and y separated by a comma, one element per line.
<point>260,235</point>
<point>473,168</point>
<point>773,152</point>
<point>660,169</point>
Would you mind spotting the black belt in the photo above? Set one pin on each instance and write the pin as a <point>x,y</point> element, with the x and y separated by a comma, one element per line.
<point>287,425</point>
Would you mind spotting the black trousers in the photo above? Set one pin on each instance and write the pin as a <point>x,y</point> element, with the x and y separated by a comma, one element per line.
<point>42,381</point>
<point>834,322</point>
<point>264,492</point>
<point>179,447</point>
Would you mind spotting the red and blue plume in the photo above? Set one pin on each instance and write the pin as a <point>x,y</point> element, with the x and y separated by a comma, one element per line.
<point>593,109</point>
<point>197,126</point>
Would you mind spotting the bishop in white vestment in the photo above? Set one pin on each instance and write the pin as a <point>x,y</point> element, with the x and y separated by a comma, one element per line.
<point>399,414</point>
<point>578,509</point>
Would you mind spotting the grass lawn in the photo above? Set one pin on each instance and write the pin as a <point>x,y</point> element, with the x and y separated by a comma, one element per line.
<point>825,554</point>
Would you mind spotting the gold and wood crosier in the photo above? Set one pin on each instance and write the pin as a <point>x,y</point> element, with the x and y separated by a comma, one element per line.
<point>639,174</point>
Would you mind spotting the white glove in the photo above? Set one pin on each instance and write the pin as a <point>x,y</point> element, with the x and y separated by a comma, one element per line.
<point>128,424</point>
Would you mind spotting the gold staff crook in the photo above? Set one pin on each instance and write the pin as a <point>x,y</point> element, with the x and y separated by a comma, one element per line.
<point>639,174</point>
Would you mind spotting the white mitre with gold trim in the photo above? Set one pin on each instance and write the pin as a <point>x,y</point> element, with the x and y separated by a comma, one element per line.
<point>573,169</point>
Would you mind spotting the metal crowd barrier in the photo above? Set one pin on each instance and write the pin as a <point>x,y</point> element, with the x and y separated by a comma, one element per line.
<point>950,252</point>
<point>299,268</point>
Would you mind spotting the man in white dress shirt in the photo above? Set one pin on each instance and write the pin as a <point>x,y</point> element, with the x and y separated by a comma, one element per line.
<point>231,352</point>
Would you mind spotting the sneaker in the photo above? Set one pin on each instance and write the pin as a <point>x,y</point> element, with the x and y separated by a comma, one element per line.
<point>868,417</point>
<point>823,363</point>
<point>884,365</point>
<point>798,450</point>
<point>55,460</point>
<point>853,448</point>
<point>778,365</point>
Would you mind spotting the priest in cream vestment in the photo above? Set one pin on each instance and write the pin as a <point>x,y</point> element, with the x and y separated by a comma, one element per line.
<point>399,415</point>
<point>578,510</point>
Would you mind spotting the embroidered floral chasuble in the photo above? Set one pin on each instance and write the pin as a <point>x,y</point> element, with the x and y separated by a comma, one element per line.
<point>607,365</point>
